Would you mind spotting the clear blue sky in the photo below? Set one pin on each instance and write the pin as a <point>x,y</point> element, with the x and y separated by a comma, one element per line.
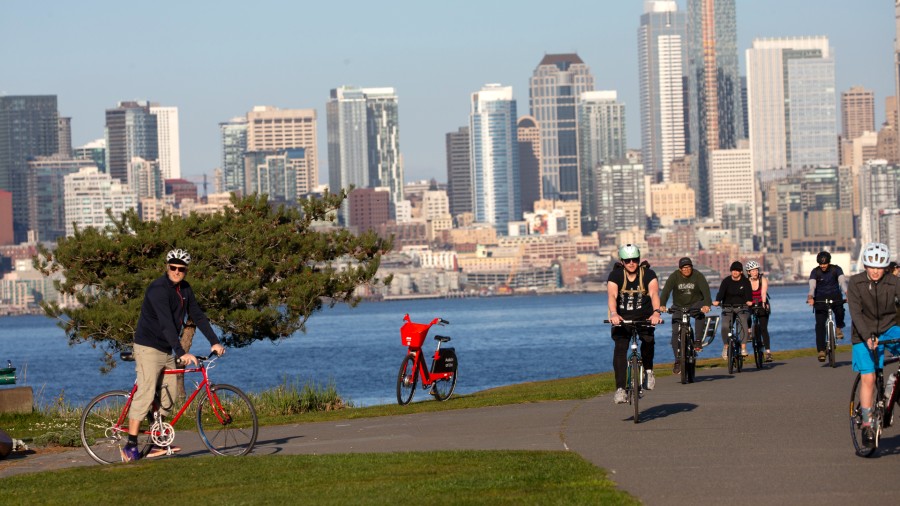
<point>216,60</point>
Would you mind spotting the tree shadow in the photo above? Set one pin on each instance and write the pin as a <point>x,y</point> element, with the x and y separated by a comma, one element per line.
<point>663,411</point>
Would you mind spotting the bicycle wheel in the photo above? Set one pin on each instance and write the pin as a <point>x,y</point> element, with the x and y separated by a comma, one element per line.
<point>830,343</point>
<point>406,380</point>
<point>637,377</point>
<point>682,353</point>
<point>758,352</point>
<point>443,388</point>
<point>856,421</point>
<point>227,425</point>
<point>104,427</point>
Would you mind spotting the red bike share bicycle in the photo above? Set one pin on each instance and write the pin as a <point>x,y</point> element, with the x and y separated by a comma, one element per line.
<point>441,376</point>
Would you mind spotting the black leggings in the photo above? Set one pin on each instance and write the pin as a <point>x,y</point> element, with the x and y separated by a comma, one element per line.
<point>763,322</point>
<point>622,338</point>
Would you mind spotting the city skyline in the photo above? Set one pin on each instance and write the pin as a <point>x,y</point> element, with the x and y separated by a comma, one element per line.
<point>435,56</point>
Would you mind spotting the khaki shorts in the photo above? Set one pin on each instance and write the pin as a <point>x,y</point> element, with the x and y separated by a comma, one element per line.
<point>149,364</point>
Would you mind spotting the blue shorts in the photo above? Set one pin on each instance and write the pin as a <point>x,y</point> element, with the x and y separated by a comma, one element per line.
<point>863,360</point>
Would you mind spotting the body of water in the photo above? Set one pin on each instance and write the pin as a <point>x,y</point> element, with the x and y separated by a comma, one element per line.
<point>498,340</point>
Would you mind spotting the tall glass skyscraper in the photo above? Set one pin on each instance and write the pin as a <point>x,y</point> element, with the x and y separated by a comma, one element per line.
<point>662,65</point>
<point>234,144</point>
<point>495,157</point>
<point>554,88</point>
<point>714,88</point>
<point>601,139</point>
<point>131,131</point>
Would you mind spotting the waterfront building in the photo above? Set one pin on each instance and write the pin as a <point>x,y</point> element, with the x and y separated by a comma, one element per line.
<point>29,127</point>
<point>554,88</point>
<point>167,135</point>
<point>662,65</point>
<point>131,132</point>
<point>792,103</point>
<point>89,193</point>
<point>495,156</point>
<point>714,89</point>
<point>571,209</point>
<point>529,135</point>
<point>459,171</point>
<point>601,139</point>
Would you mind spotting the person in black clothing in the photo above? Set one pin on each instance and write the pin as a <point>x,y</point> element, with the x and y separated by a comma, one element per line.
<point>827,281</point>
<point>633,294</point>
<point>167,301</point>
<point>735,290</point>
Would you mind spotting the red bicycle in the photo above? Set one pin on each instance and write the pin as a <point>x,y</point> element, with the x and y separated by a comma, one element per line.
<point>441,376</point>
<point>226,419</point>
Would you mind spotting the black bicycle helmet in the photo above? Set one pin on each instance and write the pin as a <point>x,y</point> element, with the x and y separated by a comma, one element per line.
<point>823,257</point>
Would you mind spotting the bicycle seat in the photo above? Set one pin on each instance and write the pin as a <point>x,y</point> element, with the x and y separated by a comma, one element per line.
<point>442,339</point>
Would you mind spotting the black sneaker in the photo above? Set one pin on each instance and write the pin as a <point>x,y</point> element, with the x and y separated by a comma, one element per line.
<point>868,437</point>
<point>676,369</point>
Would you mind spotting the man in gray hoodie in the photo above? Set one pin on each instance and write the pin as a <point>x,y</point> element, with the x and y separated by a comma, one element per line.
<point>690,291</point>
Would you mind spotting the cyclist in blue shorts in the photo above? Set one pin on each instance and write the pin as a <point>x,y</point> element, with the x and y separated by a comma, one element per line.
<point>873,298</point>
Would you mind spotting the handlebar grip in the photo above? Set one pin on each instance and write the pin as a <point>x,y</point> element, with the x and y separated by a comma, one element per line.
<point>445,322</point>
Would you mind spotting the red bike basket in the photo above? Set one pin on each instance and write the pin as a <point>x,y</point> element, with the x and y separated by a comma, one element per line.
<point>413,334</point>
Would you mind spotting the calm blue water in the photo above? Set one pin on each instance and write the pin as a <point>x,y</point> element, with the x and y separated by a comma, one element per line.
<point>498,340</point>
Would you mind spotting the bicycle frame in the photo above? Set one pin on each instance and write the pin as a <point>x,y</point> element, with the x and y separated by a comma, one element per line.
<point>426,376</point>
<point>736,360</point>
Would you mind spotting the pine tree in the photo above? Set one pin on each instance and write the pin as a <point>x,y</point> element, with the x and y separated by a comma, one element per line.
<point>258,271</point>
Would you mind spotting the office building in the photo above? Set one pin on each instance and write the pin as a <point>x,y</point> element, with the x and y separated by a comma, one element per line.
<point>64,131</point>
<point>29,127</point>
<point>621,201</point>
<point>6,219</point>
<point>554,88</point>
<point>529,135</point>
<point>601,139</point>
<point>459,171</point>
<point>857,112</point>
<point>46,194</point>
<point>145,178</point>
<point>662,65</point>
<point>714,87</point>
<point>169,147</point>
<point>732,181</point>
<point>792,104</point>
<point>180,189</point>
<point>131,131</point>
<point>495,157</point>
<point>94,151</point>
<point>282,174</point>
<point>271,130</point>
<point>234,145</point>
<point>880,204</point>
<point>89,193</point>
<point>369,208</point>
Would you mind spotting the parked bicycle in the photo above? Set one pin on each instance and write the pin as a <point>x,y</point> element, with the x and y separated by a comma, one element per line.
<point>882,407</point>
<point>441,376</point>
<point>830,329</point>
<point>735,357</point>
<point>688,344</point>
<point>634,372</point>
<point>759,348</point>
<point>226,419</point>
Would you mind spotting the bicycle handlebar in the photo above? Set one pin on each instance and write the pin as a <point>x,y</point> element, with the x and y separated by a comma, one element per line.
<point>829,301</point>
<point>638,323</point>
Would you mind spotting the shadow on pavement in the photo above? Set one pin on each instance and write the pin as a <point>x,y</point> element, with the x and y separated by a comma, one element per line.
<point>711,377</point>
<point>272,446</point>
<point>663,411</point>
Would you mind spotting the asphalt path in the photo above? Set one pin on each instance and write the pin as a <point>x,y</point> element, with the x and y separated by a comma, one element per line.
<point>777,436</point>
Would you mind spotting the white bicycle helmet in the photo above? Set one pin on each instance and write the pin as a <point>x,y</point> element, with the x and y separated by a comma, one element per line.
<point>752,264</point>
<point>628,251</point>
<point>876,254</point>
<point>178,256</point>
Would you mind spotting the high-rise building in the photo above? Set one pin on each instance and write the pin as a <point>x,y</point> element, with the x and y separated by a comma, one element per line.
<point>554,88</point>
<point>95,151</point>
<point>234,145</point>
<point>169,147</point>
<point>131,131</point>
<point>6,219</point>
<point>601,139</point>
<point>271,131</point>
<point>65,137</point>
<point>145,178</point>
<point>281,174</point>
<point>731,181</point>
<point>369,208</point>
<point>29,127</point>
<point>364,140</point>
<point>89,193</point>
<point>621,201</point>
<point>46,195</point>
<point>495,157</point>
<point>459,172</point>
<point>714,87</point>
<point>857,112</point>
<point>792,103</point>
<point>880,204</point>
<point>529,135</point>
<point>662,65</point>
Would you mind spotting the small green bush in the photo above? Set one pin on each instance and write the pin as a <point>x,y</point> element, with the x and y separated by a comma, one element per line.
<point>289,398</point>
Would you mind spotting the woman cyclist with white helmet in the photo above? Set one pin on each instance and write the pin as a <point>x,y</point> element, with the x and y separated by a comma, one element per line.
<point>760,295</point>
<point>873,297</point>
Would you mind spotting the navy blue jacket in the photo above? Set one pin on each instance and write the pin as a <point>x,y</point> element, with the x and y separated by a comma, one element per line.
<point>162,316</point>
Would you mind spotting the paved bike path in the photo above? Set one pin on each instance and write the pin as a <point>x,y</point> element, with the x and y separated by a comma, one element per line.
<point>778,436</point>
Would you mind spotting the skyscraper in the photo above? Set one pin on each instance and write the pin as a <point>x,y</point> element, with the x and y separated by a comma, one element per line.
<point>601,139</point>
<point>495,157</point>
<point>273,131</point>
<point>529,135</point>
<point>459,172</point>
<point>792,104</point>
<point>167,136</point>
<point>234,145</point>
<point>46,205</point>
<point>554,88</point>
<point>29,127</point>
<point>662,66</point>
<point>857,112</point>
<point>383,139</point>
<point>621,197</point>
<point>714,87</point>
<point>131,131</point>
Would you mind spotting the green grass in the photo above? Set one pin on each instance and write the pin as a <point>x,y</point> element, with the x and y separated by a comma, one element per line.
<point>469,477</point>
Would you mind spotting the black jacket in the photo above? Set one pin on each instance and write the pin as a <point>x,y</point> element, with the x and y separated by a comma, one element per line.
<point>162,316</point>
<point>733,292</point>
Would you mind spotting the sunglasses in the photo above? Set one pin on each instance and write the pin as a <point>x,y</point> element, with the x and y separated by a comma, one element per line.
<point>631,261</point>
<point>178,268</point>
